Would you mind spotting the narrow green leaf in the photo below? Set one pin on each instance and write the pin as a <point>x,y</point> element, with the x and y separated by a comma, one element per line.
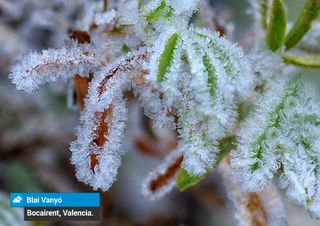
<point>140,3</point>
<point>212,79</point>
<point>303,24</point>
<point>125,48</point>
<point>9,216</point>
<point>263,9</point>
<point>224,56</point>
<point>185,180</point>
<point>226,145</point>
<point>162,11</point>
<point>21,177</point>
<point>309,61</point>
<point>276,30</point>
<point>166,56</point>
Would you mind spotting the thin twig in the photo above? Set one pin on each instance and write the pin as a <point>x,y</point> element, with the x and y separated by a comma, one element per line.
<point>105,5</point>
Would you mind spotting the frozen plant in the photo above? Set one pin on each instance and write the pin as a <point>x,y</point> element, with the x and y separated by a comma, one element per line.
<point>196,82</point>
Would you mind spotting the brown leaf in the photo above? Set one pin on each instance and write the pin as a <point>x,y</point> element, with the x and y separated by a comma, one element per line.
<point>81,87</point>
<point>257,210</point>
<point>101,132</point>
<point>163,179</point>
<point>81,36</point>
<point>127,64</point>
<point>93,26</point>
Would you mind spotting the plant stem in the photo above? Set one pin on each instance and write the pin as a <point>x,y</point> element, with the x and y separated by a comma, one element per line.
<point>105,5</point>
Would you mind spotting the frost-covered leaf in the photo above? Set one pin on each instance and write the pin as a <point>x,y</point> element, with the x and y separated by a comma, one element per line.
<point>50,65</point>
<point>307,61</point>
<point>253,208</point>
<point>259,136</point>
<point>161,180</point>
<point>282,134</point>
<point>212,80</point>
<point>163,55</point>
<point>186,9</point>
<point>303,23</point>
<point>232,58</point>
<point>185,180</point>
<point>98,149</point>
<point>161,9</point>
<point>166,57</point>
<point>157,9</point>
<point>276,30</point>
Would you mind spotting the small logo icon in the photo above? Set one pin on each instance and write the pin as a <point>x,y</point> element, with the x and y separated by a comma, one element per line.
<point>17,199</point>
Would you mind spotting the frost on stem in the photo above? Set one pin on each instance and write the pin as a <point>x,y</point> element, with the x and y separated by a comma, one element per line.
<point>126,14</point>
<point>282,135</point>
<point>150,99</point>
<point>253,208</point>
<point>50,65</point>
<point>161,180</point>
<point>159,9</point>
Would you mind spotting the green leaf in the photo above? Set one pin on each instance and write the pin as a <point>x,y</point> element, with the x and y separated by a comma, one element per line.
<point>9,216</point>
<point>276,30</point>
<point>224,56</point>
<point>226,145</point>
<point>166,57</point>
<point>125,48</point>
<point>140,3</point>
<point>21,178</point>
<point>273,122</point>
<point>303,24</point>
<point>185,180</point>
<point>263,9</point>
<point>162,11</point>
<point>309,61</point>
<point>212,79</point>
